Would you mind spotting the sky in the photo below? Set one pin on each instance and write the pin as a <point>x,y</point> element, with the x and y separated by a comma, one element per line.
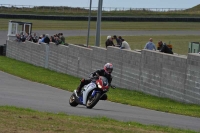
<point>108,3</point>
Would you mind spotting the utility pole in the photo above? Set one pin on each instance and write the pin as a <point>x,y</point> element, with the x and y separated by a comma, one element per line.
<point>89,18</point>
<point>98,26</point>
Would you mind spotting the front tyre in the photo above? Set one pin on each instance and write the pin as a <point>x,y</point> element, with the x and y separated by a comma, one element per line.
<point>72,100</point>
<point>92,101</point>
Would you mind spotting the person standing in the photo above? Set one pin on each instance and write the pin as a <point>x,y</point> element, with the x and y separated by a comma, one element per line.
<point>150,45</point>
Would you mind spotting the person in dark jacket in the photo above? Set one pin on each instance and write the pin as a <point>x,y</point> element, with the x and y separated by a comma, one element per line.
<point>118,40</point>
<point>164,48</point>
<point>46,39</point>
<point>109,41</point>
<point>106,72</point>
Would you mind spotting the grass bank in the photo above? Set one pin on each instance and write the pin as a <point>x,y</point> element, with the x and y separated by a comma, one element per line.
<point>79,11</point>
<point>25,120</point>
<point>66,82</point>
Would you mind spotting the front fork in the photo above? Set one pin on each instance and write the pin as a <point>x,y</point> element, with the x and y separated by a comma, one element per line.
<point>94,92</point>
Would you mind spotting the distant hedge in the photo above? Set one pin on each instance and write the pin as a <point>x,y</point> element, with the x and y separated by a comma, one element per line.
<point>104,18</point>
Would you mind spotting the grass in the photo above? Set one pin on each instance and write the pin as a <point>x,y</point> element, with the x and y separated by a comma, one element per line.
<point>179,43</point>
<point>83,25</point>
<point>66,82</point>
<point>26,120</point>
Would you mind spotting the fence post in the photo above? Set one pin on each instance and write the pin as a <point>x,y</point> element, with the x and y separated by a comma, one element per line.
<point>47,56</point>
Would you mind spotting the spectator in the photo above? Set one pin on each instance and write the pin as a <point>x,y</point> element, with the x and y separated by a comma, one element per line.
<point>28,37</point>
<point>166,49</point>
<point>18,38</point>
<point>52,39</point>
<point>46,39</point>
<point>42,38</point>
<point>150,45</point>
<point>58,40</point>
<point>109,41</point>
<point>118,40</point>
<point>125,45</point>
<point>35,38</point>
<point>23,38</point>
<point>160,44</point>
<point>62,38</point>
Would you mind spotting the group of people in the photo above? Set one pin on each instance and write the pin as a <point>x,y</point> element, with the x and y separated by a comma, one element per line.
<point>162,47</point>
<point>22,38</point>
<point>44,38</point>
<point>120,42</point>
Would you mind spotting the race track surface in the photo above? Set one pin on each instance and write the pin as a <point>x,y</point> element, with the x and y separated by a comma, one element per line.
<point>23,93</point>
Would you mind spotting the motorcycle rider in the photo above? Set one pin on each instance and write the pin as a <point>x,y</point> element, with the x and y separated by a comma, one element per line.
<point>106,72</point>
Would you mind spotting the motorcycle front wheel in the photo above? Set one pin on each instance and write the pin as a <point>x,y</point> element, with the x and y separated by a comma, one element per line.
<point>72,100</point>
<point>92,101</point>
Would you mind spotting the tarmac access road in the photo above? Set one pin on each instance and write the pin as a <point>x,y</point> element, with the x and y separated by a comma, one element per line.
<point>19,92</point>
<point>68,33</point>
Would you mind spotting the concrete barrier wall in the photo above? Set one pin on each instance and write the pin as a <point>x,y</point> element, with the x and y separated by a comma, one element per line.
<point>159,74</point>
<point>28,52</point>
<point>163,75</point>
<point>192,85</point>
<point>173,75</point>
<point>130,70</point>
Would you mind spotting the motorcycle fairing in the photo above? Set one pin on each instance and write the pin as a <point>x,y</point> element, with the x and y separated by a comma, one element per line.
<point>87,89</point>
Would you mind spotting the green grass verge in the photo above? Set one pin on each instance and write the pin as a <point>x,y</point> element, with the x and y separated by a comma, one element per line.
<point>26,120</point>
<point>105,25</point>
<point>119,95</point>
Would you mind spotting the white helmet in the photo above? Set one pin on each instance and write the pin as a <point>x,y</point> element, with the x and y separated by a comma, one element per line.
<point>108,67</point>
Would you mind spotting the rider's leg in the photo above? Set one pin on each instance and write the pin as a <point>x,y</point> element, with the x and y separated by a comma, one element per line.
<point>83,82</point>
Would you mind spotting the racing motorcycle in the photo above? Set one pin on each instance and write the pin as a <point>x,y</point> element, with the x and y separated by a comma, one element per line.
<point>91,93</point>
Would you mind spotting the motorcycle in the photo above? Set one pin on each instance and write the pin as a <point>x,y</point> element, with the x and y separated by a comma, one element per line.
<point>91,93</point>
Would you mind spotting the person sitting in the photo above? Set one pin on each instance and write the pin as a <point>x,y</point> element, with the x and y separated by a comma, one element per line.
<point>109,41</point>
<point>46,39</point>
<point>42,40</point>
<point>125,45</point>
<point>150,45</point>
<point>118,40</point>
<point>164,48</point>
<point>160,44</point>
<point>62,38</point>
<point>35,38</point>
<point>18,38</point>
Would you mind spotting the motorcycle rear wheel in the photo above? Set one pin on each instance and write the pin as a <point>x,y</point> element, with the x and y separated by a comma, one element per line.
<point>72,100</point>
<point>91,102</point>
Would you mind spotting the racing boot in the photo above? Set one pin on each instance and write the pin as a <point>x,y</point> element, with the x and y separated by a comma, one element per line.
<point>78,90</point>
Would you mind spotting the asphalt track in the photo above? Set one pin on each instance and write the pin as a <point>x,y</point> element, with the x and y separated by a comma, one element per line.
<point>68,33</point>
<point>23,93</point>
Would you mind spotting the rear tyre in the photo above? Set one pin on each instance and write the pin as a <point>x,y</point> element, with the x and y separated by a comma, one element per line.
<point>92,101</point>
<point>72,100</point>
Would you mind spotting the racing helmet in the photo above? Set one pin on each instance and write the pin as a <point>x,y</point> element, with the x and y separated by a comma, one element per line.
<point>108,67</point>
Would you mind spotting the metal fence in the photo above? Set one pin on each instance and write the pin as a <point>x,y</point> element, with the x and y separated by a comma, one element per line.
<point>65,8</point>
